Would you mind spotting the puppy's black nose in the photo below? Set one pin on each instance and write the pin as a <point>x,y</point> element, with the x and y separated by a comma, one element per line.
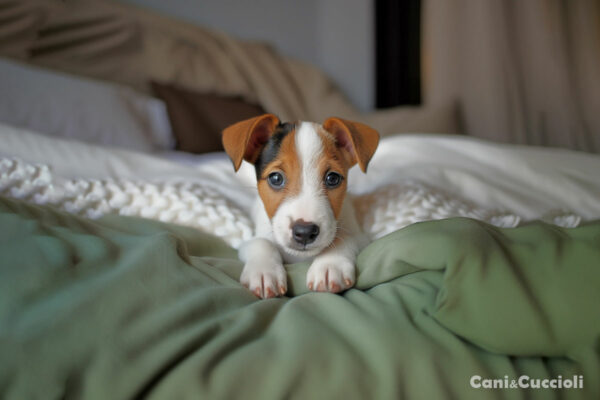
<point>305,233</point>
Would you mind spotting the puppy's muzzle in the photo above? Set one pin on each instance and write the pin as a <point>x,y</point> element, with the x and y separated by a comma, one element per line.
<point>305,232</point>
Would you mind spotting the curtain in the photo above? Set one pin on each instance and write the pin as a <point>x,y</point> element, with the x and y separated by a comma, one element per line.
<point>521,71</point>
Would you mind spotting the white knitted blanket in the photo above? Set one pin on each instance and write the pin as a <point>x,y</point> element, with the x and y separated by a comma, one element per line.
<point>395,206</point>
<point>381,212</point>
<point>177,202</point>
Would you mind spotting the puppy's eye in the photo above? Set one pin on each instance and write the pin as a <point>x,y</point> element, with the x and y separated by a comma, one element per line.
<point>276,180</point>
<point>333,180</point>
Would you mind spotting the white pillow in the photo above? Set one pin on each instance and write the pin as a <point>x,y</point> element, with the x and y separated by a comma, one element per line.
<point>92,111</point>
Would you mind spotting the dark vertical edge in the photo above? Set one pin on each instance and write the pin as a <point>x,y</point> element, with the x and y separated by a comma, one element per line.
<point>397,52</point>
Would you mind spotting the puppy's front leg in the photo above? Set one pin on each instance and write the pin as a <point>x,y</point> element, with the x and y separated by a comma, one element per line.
<point>263,271</point>
<point>333,270</point>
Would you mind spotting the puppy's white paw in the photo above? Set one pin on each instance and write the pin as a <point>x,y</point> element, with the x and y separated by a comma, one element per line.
<point>265,280</point>
<point>330,273</point>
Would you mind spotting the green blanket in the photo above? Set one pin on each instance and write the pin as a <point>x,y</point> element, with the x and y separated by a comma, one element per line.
<point>123,308</point>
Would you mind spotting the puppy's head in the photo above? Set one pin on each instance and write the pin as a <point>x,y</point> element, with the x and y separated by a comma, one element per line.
<point>302,171</point>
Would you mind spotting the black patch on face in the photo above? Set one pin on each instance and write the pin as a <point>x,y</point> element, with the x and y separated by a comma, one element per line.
<point>271,149</point>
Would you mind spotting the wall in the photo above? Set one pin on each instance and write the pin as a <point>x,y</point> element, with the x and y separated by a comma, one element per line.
<point>335,35</point>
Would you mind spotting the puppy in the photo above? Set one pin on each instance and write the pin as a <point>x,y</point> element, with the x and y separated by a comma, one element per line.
<point>302,212</point>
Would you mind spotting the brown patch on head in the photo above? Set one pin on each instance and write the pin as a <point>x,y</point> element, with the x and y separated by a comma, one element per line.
<point>287,163</point>
<point>333,160</point>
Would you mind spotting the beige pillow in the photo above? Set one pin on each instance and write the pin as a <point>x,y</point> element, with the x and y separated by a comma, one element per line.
<point>422,119</point>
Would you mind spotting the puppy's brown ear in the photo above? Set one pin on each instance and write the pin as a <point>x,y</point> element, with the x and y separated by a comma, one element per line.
<point>245,139</point>
<point>358,140</point>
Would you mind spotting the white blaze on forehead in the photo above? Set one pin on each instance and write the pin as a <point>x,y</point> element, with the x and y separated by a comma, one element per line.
<point>309,146</point>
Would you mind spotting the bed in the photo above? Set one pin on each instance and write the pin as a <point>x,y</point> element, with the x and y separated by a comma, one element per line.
<point>113,305</point>
<point>119,275</point>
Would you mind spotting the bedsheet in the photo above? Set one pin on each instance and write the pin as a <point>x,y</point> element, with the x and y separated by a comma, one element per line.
<point>125,308</point>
